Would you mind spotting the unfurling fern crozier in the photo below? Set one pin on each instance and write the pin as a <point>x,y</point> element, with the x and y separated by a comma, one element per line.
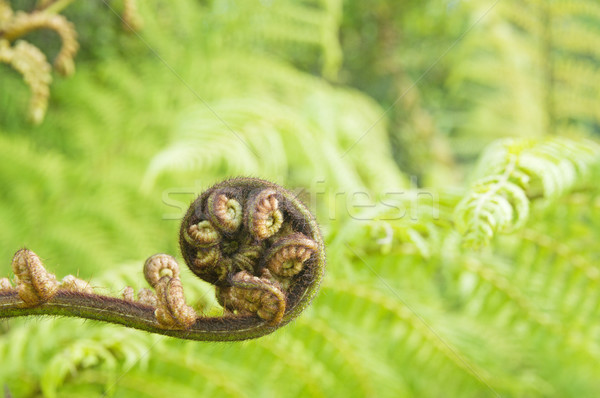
<point>258,245</point>
<point>253,240</point>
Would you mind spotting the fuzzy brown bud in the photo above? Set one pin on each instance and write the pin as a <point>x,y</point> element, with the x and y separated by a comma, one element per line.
<point>128,294</point>
<point>287,256</point>
<point>162,273</point>
<point>75,284</point>
<point>5,284</point>
<point>158,266</point>
<point>262,214</point>
<point>253,295</point>
<point>147,297</point>
<point>172,311</point>
<point>35,285</point>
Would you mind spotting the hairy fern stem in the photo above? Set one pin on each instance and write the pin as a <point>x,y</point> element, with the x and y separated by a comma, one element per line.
<point>133,315</point>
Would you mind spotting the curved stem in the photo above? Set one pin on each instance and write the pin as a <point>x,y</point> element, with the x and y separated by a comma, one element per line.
<point>271,301</point>
<point>54,7</point>
<point>134,315</point>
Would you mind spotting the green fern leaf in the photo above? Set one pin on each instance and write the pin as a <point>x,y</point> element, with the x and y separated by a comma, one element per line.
<point>514,172</point>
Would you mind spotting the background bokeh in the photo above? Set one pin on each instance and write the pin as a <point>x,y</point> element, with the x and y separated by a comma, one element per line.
<point>345,102</point>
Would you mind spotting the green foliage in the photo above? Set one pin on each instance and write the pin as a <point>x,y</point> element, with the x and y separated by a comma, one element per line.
<point>527,70</point>
<point>514,172</point>
<point>406,309</point>
<point>393,51</point>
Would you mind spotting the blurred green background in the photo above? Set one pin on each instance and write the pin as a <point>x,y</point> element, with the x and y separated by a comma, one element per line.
<point>345,102</point>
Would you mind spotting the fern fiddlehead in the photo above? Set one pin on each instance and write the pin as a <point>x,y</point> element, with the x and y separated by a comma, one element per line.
<point>252,239</point>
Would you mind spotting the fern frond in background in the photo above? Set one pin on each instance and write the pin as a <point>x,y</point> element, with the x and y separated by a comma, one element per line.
<point>297,139</point>
<point>388,48</point>
<point>296,30</point>
<point>528,70</point>
<point>513,172</point>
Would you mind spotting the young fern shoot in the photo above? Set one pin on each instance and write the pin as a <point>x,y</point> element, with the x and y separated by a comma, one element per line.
<point>252,239</point>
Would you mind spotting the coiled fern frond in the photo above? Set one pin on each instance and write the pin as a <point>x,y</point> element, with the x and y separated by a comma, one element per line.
<point>29,60</point>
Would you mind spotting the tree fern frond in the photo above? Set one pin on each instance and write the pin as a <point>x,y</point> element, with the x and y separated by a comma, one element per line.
<point>576,8</point>
<point>81,354</point>
<point>583,75</point>
<point>488,276</point>
<point>543,282</point>
<point>518,76</point>
<point>581,263</point>
<point>416,230</point>
<point>525,16</point>
<point>135,383</point>
<point>278,25</point>
<point>581,106</point>
<point>419,335</point>
<point>515,172</point>
<point>216,375</point>
<point>580,40</point>
<point>334,341</point>
<point>295,140</point>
